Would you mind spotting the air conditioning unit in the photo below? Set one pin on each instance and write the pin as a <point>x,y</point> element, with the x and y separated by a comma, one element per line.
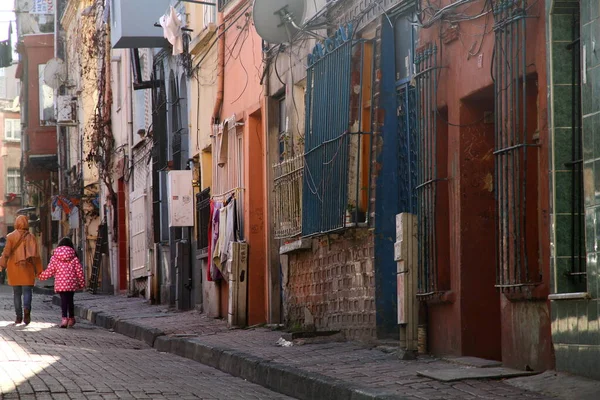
<point>237,266</point>
<point>66,110</point>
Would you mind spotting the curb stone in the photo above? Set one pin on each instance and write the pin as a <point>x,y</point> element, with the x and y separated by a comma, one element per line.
<point>278,377</point>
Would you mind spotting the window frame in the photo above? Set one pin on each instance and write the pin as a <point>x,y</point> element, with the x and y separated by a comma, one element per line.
<point>16,174</point>
<point>12,122</point>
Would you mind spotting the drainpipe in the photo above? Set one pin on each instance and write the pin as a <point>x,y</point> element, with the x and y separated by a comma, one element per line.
<point>216,117</point>
<point>59,152</point>
<point>128,89</point>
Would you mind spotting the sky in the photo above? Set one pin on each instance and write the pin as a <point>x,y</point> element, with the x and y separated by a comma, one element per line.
<point>6,15</point>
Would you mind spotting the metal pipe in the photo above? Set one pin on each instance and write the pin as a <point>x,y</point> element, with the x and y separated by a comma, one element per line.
<point>525,139</point>
<point>435,160</point>
<point>516,138</point>
<point>574,72</point>
<point>504,138</point>
<point>371,136</point>
<point>216,116</point>
<point>358,150</point>
<point>496,174</point>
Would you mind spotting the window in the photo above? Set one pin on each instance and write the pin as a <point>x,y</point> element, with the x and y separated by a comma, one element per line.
<point>210,15</point>
<point>13,181</point>
<point>228,165</point>
<point>116,80</point>
<point>223,3</point>
<point>337,136</point>
<point>12,129</point>
<point>405,33</point>
<point>202,218</point>
<point>516,166</point>
<point>283,131</point>
<point>3,91</point>
<point>46,98</point>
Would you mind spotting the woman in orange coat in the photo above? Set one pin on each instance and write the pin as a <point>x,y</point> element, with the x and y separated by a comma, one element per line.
<point>21,257</point>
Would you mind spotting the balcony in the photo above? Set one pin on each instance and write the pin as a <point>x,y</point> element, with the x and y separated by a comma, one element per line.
<point>39,136</point>
<point>287,199</point>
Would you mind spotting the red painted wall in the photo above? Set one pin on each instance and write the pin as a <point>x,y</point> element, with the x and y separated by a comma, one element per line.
<point>476,319</point>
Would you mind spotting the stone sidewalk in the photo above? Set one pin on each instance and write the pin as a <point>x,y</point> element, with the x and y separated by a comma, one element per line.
<point>317,370</point>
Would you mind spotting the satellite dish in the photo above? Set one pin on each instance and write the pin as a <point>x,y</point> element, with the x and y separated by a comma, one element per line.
<point>277,21</point>
<point>55,73</point>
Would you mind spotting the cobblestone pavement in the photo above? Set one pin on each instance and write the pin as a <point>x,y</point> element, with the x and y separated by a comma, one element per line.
<point>42,361</point>
<point>351,362</point>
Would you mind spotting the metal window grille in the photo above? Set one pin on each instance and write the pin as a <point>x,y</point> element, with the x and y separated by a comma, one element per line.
<point>228,168</point>
<point>407,148</point>
<point>334,169</point>
<point>515,267</point>
<point>202,218</point>
<point>429,275</point>
<point>287,199</point>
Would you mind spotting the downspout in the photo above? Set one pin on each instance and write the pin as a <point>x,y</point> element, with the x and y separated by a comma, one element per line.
<point>129,165</point>
<point>274,295</point>
<point>216,117</point>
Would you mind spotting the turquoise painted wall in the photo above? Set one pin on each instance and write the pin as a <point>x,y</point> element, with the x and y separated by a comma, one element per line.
<point>575,322</point>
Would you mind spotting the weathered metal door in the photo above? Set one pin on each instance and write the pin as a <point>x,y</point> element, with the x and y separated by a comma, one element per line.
<point>139,245</point>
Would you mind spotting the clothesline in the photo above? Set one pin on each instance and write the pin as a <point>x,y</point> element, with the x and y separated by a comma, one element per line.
<point>227,193</point>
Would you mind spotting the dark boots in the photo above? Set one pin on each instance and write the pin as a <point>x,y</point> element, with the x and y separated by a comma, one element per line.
<point>18,320</point>
<point>27,318</point>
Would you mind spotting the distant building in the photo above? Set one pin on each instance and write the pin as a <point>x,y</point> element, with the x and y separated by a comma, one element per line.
<point>10,145</point>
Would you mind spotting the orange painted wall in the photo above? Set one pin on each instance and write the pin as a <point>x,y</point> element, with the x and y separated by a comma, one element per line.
<point>243,97</point>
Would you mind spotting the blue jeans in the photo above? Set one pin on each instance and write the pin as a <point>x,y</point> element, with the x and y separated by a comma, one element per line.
<point>27,293</point>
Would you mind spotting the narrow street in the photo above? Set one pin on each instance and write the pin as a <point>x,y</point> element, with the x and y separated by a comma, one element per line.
<point>42,361</point>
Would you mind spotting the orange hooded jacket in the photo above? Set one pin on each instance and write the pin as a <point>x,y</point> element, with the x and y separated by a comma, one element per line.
<point>23,263</point>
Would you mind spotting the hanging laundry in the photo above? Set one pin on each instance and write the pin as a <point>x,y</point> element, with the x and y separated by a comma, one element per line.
<point>74,218</point>
<point>229,235</point>
<point>214,268</point>
<point>218,260</point>
<point>171,24</point>
<point>209,258</point>
<point>56,213</point>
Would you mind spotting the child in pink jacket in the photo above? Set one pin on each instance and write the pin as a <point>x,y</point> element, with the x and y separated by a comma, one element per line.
<point>66,268</point>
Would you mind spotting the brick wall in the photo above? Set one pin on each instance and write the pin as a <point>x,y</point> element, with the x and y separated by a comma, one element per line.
<point>332,286</point>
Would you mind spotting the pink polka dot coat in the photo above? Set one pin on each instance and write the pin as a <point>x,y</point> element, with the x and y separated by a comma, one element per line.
<point>66,269</point>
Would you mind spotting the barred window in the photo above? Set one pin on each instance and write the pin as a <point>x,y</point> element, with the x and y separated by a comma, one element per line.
<point>202,218</point>
<point>337,134</point>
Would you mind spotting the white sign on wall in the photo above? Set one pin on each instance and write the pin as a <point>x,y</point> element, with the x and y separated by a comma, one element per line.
<point>181,194</point>
<point>42,7</point>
